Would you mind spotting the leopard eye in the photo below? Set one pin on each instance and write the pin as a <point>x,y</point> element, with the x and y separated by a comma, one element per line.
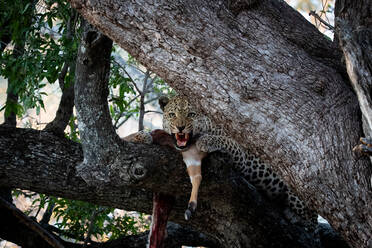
<point>171,114</point>
<point>191,115</point>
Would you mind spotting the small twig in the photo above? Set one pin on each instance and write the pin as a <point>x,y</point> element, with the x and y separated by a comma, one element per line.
<point>152,99</point>
<point>121,114</point>
<point>62,75</point>
<point>91,225</point>
<point>150,85</point>
<point>316,16</point>
<point>131,79</point>
<point>38,211</point>
<point>324,3</point>
<point>65,108</point>
<point>142,101</point>
<point>153,111</point>
<point>125,120</point>
<point>60,232</point>
<point>48,213</point>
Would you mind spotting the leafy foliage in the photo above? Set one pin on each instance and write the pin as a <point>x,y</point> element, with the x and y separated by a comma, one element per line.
<point>80,218</point>
<point>77,219</point>
<point>42,47</point>
<point>126,87</point>
<point>73,132</point>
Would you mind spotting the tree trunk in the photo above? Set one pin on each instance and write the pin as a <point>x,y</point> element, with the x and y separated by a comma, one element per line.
<point>265,70</point>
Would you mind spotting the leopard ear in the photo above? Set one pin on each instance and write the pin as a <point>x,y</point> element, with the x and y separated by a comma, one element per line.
<point>163,100</point>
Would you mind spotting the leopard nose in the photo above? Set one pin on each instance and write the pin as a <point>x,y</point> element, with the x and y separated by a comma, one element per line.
<point>181,128</point>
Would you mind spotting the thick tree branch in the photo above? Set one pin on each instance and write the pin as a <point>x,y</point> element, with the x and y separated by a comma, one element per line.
<point>98,137</point>
<point>55,165</point>
<point>31,224</point>
<point>44,163</point>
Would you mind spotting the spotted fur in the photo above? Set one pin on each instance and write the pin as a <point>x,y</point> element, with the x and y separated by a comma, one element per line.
<point>139,137</point>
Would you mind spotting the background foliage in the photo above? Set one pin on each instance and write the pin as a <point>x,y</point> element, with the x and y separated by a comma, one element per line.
<point>45,36</point>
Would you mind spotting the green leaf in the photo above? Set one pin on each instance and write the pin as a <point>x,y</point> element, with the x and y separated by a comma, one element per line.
<point>50,22</point>
<point>25,9</point>
<point>37,110</point>
<point>13,107</point>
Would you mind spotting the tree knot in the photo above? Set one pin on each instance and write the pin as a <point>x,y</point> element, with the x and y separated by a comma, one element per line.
<point>137,171</point>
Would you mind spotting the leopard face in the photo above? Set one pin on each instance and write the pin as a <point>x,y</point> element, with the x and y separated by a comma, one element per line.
<point>179,119</point>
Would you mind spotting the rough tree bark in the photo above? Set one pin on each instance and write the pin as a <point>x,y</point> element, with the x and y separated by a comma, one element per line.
<point>267,75</point>
<point>354,32</point>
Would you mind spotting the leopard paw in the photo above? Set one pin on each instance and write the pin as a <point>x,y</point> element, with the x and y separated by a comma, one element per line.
<point>139,137</point>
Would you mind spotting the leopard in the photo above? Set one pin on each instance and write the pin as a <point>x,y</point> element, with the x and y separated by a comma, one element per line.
<point>195,136</point>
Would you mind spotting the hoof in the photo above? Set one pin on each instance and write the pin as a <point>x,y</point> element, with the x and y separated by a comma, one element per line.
<point>190,210</point>
<point>188,214</point>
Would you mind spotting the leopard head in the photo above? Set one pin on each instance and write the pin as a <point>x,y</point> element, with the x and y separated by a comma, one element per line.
<point>178,120</point>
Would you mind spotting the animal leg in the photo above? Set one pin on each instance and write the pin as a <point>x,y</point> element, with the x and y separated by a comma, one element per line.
<point>194,172</point>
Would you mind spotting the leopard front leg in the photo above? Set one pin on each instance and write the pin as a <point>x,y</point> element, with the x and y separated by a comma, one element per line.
<point>139,137</point>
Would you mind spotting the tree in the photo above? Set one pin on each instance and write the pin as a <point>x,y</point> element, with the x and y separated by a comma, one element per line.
<point>235,62</point>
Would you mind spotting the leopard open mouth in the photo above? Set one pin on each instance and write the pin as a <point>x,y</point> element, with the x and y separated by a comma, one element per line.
<point>182,140</point>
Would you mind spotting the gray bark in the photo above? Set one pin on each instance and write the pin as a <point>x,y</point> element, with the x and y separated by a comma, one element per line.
<point>268,72</point>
